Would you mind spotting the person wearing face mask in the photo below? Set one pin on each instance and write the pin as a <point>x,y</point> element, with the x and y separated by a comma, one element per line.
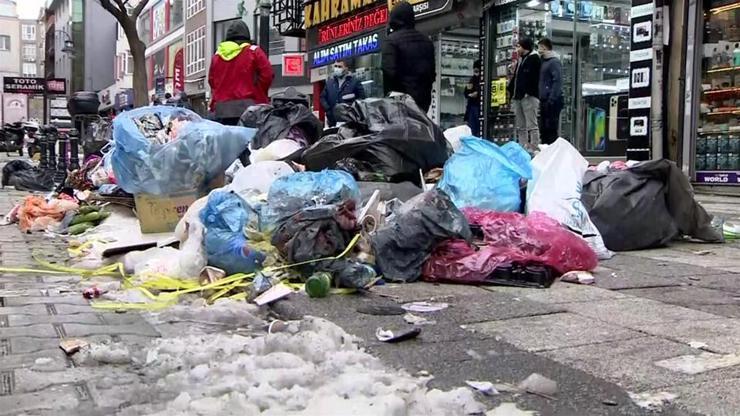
<point>524,89</point>
<point>408,58</point>
<point>551,92</point>
<point>341,88</point>
<point>472,108</point>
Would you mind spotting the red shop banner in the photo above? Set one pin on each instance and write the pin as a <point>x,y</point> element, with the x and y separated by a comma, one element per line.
<point>178,72</point>
<point>357,24</point>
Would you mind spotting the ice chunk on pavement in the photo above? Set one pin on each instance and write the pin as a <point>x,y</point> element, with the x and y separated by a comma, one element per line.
<point>652,401</point>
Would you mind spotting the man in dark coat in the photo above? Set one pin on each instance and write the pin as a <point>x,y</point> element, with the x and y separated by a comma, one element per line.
<point>341,88</point>
<point>472,94</point>
<point>408,58</point>
<point>551,92</point>
<point>525,95</point>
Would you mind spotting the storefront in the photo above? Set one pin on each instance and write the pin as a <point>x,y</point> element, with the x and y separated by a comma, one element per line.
<point>712,107</point>
<point>592,40</point>
<point>356,31</point>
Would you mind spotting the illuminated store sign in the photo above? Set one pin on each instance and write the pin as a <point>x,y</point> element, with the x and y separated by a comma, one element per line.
<point>371,19</point>
<point>354,47</point>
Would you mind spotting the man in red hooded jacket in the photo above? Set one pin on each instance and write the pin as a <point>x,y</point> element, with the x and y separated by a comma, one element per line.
<point>240,75</point>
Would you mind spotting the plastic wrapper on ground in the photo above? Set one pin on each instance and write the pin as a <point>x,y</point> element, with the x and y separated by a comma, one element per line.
<point>384,136</point>
<point>508,238</point>
<point>556,190</point>
<point>486,176</point>
<point>645,206</point>
<point>35,214</point>
<point>225,217</point>
<point>200,152</point>
<point>290,194</point>
<point>405,243</point>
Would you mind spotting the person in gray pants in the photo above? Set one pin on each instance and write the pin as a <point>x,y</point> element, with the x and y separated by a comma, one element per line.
<point>524,90</point>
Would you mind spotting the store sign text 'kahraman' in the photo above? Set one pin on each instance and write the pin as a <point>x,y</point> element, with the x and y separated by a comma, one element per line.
<point>322,11</point>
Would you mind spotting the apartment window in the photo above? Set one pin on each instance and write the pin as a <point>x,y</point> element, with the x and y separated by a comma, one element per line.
<point>4,43</point>
<point>29,70</point>
<point>175,13</point>
<point>28,33</point>
<point>29,53</point>
<point>195,49</point>
<point>194,7</point>
<point>129,64</point>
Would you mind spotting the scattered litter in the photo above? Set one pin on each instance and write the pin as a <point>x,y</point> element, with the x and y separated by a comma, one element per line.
<point>417,320</point>
<point>274,293</point>
<point>510,409</point>
<point>474,355</point>
<point>702,252</point>
<point>485,387</point>
<point>539,385</point>
<point>211,274</point>
<point>583,278</point>
<point>71,346</point>
<point>398,336</point>
<point>696,364</point>
<point>694,278</point>
<point>698,345</point>
<point>654,402</point>
<point>609,402</point>
<point>382,310</point>
<point>92,293</point>
<point>425,307</point>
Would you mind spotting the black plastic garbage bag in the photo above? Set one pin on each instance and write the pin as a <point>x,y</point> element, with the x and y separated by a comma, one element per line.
<point>406,242</point>
<point>25,177</point>
<point>390,136</point>
<point>288,121</point>
<point>646,206</point>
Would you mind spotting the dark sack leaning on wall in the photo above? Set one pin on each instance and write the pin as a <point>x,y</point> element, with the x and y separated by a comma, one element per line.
<point>646,206</point>
<point>391,136</point>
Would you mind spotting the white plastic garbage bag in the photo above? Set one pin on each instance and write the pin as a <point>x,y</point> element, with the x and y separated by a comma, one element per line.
<point>454,136</point>
<point>185,263</point>
<point>259,176</point>
<point>556,190</point>
<point>277,150</point>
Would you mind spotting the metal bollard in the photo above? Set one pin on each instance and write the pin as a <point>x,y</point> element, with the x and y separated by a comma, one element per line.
<point>74,149</point>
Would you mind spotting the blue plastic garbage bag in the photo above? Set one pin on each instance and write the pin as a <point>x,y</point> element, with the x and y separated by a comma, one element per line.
<point>292,193</point>
<point>201,151</point>
<point>224,217</point>
<point>486,176</point>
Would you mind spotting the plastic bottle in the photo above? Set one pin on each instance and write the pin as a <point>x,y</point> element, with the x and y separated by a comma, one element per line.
<point>318,285</point>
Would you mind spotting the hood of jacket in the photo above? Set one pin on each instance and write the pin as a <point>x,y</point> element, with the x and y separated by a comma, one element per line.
<point>238,32</point>
<point>229,50</point>
<point>402,17</point>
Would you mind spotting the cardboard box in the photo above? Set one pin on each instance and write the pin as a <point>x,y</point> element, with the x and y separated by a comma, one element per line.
<point>161,213</point>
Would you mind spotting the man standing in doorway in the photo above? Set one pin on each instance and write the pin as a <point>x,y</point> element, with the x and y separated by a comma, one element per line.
<point>341,88</point>
<point>472,94</point>
<point>408,58</point>
<point>524,90</point>
<point>551,92</point>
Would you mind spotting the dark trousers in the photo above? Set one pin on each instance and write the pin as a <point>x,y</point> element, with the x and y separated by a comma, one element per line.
<point>472,118</point>
<point>549,123</point>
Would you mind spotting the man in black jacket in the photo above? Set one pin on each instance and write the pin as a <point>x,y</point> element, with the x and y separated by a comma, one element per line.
<point>408,58</point>
<point>524,89</point>
<point>341,88</point>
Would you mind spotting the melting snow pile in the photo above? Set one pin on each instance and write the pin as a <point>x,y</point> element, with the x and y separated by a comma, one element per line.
<point>314,368</point>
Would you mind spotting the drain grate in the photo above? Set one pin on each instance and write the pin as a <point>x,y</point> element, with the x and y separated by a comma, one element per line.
<point>4,347</point>
<point>59,329</point>
<point>6,383</point>
<point>51,309</point>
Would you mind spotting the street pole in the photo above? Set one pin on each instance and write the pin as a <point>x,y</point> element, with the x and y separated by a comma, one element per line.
<point>264,40</point>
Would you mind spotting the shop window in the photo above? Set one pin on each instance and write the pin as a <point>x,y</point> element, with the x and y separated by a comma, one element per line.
<point>718,141</point>
<point>145,27</point>
<point>175,13</point>
<point>4,43</point>
<point>195,51</point>
<point>159,21</point>
<point>457,57</point>
<point>193,7</point>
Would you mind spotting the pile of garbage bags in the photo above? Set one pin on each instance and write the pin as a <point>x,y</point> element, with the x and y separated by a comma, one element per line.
<point>164,150</point>
<point>26,177</point>
<point>388,139</point>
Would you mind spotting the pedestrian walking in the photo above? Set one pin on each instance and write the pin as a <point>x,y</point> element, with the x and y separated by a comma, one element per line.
<point>551,92</point>
<point>240,75</point>
<point>341,88</point>
<point>408,58</point>
<point>524,89</point>
<point>472,107</point>
<point>155,100</point>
